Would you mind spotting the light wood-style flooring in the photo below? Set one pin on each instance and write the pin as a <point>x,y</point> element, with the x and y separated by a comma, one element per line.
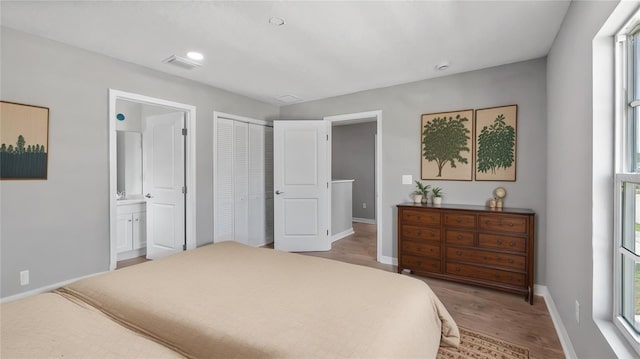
<point>501,315</point>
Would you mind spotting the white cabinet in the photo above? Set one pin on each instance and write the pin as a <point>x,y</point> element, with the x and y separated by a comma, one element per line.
<point>243,193</point>
<point>132,228</point>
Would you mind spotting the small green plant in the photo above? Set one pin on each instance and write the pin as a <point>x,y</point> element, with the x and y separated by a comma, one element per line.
<point>437,192</point>
<point>423,189</point>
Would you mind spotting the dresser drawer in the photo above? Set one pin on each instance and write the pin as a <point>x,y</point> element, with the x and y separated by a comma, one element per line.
<point>512,261</point>
<point>421,217</point>
<point>460,238</point>
<point>420,263</point>
<point>493,275</point>
<point>420,233</point>
<point>421,249</point>
<point>460,220</point>
<point>515,244</point>
<point>503,223</point>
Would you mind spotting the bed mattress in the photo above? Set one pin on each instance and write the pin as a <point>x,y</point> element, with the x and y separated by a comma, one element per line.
<point>229,300</point>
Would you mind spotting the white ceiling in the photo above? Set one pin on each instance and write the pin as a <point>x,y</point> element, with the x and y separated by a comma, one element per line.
<point>325,49</point>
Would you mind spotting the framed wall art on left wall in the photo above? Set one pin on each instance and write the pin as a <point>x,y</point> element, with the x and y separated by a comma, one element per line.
<point>24,141</point>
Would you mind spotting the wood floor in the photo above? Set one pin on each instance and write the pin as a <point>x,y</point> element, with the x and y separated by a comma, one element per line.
<point>502,315</point>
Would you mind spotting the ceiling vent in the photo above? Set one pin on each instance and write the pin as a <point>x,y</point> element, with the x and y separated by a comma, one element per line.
<point>181,62</point>
<point>288,98</point>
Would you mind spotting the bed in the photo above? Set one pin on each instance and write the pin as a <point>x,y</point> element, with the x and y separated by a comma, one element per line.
<point>229,300</point>
<point>50,326</point>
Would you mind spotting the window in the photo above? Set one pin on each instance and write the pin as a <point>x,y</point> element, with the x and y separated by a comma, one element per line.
<point>627,191</point>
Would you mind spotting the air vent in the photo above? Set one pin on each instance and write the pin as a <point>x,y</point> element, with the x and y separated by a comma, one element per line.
<point>181,62</point>
<point>288,98</point>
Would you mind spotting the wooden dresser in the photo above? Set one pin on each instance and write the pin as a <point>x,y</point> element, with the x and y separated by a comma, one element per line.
<point>469,244</point>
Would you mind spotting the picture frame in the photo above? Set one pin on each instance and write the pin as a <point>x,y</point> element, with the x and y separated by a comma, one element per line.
<point>496,140</point>
<point>24,141</point>
<point>446,145</point>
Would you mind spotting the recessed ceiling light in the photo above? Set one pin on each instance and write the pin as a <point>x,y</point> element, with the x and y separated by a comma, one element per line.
<point>442,66</point>
<point>195,55</point>
<point>276,21</point>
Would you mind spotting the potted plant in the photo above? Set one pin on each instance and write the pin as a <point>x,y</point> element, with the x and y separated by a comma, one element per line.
<point>421,195</point>
<point>437,195</point>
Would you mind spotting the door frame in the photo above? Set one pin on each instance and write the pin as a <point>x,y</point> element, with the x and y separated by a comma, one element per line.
<point>377,114</point>
<point>190,164</point>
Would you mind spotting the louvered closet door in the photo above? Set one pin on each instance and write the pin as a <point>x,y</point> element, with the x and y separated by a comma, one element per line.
<point>224,196</point>
<point>268,168</point>
<point>257,220</point>
<point>241,181</point>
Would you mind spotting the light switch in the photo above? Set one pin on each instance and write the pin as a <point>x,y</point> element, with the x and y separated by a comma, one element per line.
<point>407,179</point>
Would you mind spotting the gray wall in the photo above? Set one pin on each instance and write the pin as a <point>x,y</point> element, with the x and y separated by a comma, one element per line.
<point>522,83</point>
<point>353,156</point>
<point>571,201</point>
<point>59,228</point>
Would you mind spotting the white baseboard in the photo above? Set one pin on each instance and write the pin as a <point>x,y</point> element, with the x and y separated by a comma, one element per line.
<point>46,288</point>
<point>565,341</point>
<point>342,234</point>
<point>389,260</point>
<point>363,220</point>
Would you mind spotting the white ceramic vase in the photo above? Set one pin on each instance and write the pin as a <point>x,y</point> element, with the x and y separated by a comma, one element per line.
<point>437,200</point>
<point>417,198</point>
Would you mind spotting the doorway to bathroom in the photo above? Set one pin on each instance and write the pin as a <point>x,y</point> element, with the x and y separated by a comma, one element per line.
<point>152,176</point>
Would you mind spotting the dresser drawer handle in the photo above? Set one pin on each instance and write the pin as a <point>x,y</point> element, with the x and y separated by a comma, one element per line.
<point>458,220</point>
<point>510,224</point>
<point>510,278</point>
<point>487,222</point>
<point>433,234</point>
<point>418,232</point>
<point>500,223</point>
<point>510,261</point>
<point>497,276</point>
<point>459,236</point>
<point>459,253</point>
<point>499,241</point>
<point>418,217</point>
<point>512,243</point>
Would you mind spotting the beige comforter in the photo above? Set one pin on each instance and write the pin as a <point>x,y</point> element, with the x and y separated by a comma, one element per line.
<point>228,300</point>
<point>50,326</point>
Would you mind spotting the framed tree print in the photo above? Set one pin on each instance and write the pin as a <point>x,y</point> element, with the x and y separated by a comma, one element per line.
<point>496,137</point>
<point>447,146</point>
<point>24,141</point>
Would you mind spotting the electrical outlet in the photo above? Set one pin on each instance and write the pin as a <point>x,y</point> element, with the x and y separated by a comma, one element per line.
<point>577,312</point>
<point>24,277</point>
<point>364,205</point>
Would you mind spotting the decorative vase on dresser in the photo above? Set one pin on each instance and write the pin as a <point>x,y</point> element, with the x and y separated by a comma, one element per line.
<point>469,244</point>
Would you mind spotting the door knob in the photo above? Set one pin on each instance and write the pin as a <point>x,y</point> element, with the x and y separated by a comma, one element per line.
<point>148,195</point>
<point>278,192</point>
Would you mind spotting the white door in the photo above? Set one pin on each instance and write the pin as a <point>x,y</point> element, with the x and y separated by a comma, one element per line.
<point>163,181</point>
<point>301,184</point>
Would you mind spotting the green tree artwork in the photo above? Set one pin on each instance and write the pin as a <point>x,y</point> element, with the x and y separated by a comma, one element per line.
<point>446,145</point>
<point>496,144</point>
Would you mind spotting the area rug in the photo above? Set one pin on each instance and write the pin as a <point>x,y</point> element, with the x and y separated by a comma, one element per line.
<point>480,346</point>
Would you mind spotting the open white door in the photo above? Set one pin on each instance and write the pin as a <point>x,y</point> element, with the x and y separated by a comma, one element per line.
<point>301,186</point>
<point>163,181</point>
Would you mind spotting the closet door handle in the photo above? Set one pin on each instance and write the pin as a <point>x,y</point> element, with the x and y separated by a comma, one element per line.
<point>278,192</point>
<point>148,195</point>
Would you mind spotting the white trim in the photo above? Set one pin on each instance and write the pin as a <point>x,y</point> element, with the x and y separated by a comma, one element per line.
<point>363,220</point>
<point>228,116</point>
<point>378,175</point>
<point>46,288</point>
<point>388,260</point>
<point>563,335</point>
<point>342,234</point>
<point>190,164</point>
